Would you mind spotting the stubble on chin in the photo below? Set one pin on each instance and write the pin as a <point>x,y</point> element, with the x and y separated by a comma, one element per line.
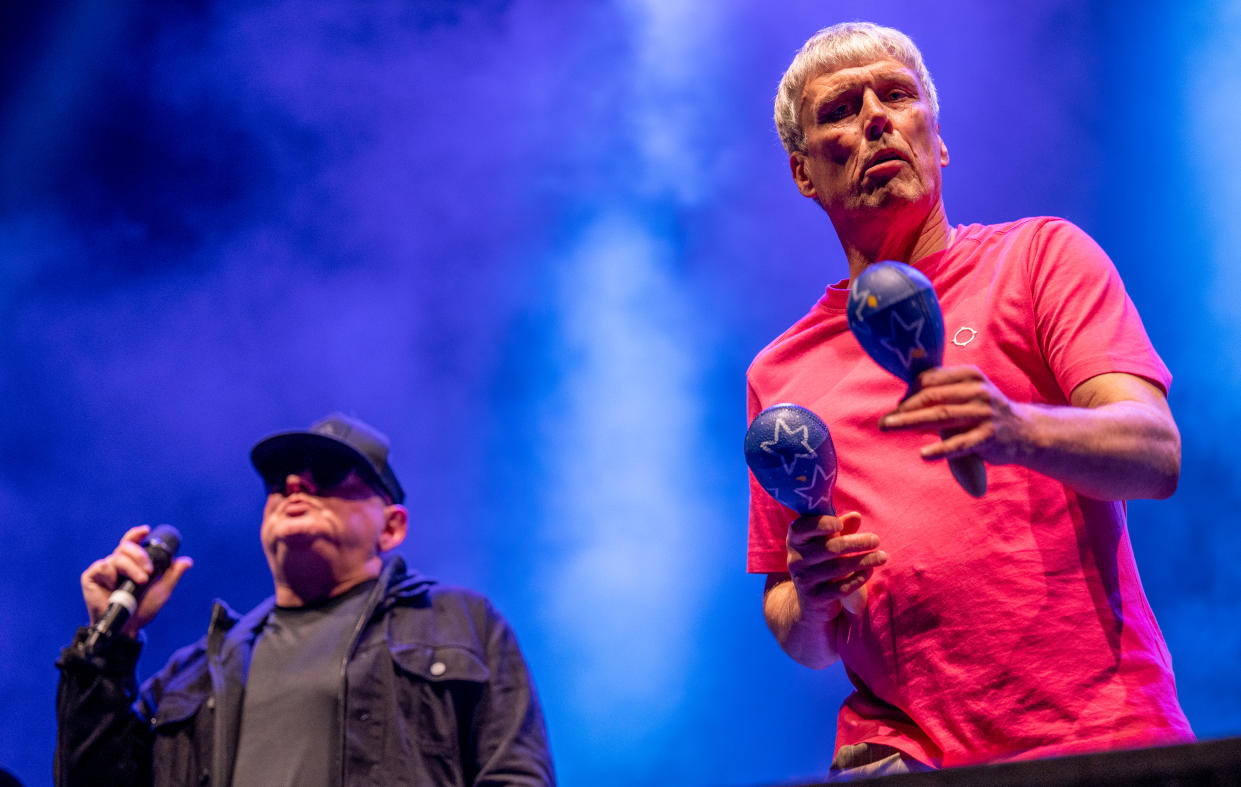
<point>903,189</point>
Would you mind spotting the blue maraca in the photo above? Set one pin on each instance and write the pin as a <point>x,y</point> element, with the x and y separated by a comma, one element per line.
<point>790,452</point>
<point>895,315</point>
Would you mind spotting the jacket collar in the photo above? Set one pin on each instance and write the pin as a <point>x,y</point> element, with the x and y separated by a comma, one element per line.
<point>395,584</point>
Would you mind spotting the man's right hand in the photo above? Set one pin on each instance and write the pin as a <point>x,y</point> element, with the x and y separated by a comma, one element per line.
<point>830,562</point>
<point>129,559</point>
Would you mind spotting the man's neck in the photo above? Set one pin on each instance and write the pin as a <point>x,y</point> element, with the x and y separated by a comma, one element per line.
<point>877,236</point>
<point>303,582</point>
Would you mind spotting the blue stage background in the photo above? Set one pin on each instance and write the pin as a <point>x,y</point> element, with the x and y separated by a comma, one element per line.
<point>538,243</point>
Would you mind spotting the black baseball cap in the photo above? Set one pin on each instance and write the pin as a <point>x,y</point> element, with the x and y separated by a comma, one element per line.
<point>337,436</point>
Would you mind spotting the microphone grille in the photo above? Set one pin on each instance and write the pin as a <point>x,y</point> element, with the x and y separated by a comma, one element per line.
<point>162,543</point>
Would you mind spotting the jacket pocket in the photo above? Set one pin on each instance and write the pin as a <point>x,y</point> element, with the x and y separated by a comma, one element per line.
<point>441,663</point>
<point>439,686</point>
<point>176,707</point>
<point>182,728</point>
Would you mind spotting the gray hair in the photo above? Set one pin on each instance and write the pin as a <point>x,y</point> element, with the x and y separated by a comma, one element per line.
<point>840,46</point>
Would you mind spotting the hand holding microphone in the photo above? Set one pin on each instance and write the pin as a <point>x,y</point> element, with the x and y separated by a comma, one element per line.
<point>789,449</point>
<point>126,589</point>
<point>895,316</point>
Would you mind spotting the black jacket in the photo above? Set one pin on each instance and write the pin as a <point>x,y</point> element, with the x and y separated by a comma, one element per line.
<point>434,692</point>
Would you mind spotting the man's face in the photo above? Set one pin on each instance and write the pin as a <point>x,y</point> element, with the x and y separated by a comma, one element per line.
<point>871,141</point>
<point>341,520</point>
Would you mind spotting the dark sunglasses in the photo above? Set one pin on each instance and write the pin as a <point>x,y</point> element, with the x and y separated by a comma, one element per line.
<point>325,471</point>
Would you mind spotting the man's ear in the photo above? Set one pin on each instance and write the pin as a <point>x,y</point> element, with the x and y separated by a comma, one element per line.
<point>797,163</point>
<point>943,149</point>
<point>396,525</point>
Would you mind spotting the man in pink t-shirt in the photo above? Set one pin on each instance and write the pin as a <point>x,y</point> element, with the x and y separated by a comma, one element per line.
<point>1010,626</point>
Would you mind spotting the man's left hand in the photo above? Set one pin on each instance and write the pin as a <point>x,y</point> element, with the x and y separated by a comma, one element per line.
<point>971,414</point>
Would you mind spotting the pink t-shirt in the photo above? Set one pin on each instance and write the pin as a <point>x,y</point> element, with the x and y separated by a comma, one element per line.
<point>1013,626</point>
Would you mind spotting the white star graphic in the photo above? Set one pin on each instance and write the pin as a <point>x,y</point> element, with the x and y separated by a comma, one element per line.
<point>804,431</point>
<point>910,341</point>
<point>862,297</point>
<point>812,502</point>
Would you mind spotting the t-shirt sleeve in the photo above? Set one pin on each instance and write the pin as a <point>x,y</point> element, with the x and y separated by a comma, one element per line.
<point>769,521</point>
<point>1085,321</point>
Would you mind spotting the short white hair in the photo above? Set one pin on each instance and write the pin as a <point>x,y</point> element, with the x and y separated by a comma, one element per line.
<point>840,46</point>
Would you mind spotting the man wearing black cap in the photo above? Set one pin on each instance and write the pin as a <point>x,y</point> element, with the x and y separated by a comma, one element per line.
<point>354,672</point>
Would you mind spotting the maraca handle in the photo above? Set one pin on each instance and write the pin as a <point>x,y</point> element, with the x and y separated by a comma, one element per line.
<point>969,470</point>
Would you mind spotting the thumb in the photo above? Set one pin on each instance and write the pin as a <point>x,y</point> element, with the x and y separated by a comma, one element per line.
<point>159,591</point>
<point>850,521</point>
<point>177,570</point>
<point>156,595</point>
<point>855,602</point>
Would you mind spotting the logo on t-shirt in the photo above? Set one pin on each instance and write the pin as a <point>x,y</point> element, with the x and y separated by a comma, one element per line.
<point>964,336</point>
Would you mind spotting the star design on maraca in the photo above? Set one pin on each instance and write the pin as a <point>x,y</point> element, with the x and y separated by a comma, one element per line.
<point>804,433</point>
<point>865,299</point>
<point>906,339</point>
<point>806,492</point>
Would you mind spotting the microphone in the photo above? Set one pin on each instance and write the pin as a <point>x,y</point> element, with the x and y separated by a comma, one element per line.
<point>895,316</point>
<point>160,545</point>
<point>789,449</point>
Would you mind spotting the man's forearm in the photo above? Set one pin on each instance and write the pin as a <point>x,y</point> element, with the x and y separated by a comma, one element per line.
<point>1114,440</point>
<point>100,740</point>
<point>1118,451</point>
<point>806,638</point>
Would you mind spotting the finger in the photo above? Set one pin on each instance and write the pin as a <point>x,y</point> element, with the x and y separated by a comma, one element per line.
<point>938,415</point>
<point>161,588</point>
<point>842,587</point>
<point>98,581</point>
<point>852,543</point>
<point>815,524</point>
<point>136,534</point>
<point>957,443</point>
<point>830,548</point>
<point>174,573</point>
<point>157,595</point>
<point>136,553</point>
<point>946,392</point>
<point>813,572</point>
<point>949,375</point>
<point>816,552</point>
<point>135,567</point>
<point>820,565</point>
<point>101,573</point>
<point>806,538</point>
<point>967,397</point>
<point>850,521</point>
<point>818,525</point>
<point>810,528</point>
<point>857,581</point>
<point>127,555</point>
